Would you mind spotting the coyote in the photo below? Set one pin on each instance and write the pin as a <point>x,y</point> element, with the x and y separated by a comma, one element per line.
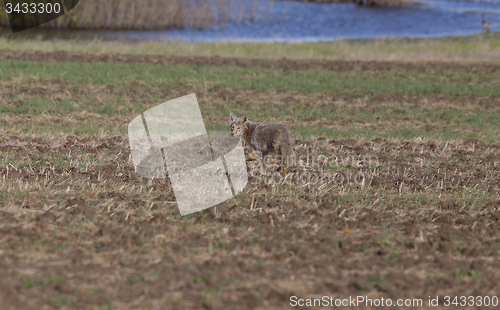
<point>265,139</point>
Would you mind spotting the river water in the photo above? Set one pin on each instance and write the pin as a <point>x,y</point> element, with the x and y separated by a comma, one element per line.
<point>312,22</point>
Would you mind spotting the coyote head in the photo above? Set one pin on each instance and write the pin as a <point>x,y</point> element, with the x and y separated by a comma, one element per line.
<point>238,125</point>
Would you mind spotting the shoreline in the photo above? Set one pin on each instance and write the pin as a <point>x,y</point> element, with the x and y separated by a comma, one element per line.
<point>44,34</point>
<point>176,14</point>
<point>370,3</point>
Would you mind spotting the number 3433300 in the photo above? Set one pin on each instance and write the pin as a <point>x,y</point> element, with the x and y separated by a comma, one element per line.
<point>32,8</point>
<point>470,301</point>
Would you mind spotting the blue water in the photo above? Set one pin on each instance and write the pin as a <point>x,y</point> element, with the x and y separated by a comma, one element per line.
<point>312,22</point>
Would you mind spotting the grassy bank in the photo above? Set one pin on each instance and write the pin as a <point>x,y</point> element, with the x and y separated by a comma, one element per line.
<point>475,48</point>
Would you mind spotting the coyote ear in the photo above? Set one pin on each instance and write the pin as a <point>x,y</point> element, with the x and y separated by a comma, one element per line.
<point>243,118</point>
<point>232,117</point>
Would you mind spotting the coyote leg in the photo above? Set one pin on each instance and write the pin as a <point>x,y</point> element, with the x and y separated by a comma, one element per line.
<point>263,164</point>
<point>253,155</point>
<point>282,165</point>
<point>279,153</point>
<point>283,169</point>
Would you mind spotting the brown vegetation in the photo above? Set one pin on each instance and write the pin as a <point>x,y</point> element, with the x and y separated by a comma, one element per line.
<point>150,14</point>
<point>391,218</point>
<point>93,234</point>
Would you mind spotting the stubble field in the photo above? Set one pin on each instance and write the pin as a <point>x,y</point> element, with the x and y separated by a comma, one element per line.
<point>396,196</point>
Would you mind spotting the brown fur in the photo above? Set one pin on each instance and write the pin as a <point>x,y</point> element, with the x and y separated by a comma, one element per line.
<point>264,138</point>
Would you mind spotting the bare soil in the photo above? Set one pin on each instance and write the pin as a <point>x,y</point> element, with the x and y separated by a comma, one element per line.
<point>379,218</point>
